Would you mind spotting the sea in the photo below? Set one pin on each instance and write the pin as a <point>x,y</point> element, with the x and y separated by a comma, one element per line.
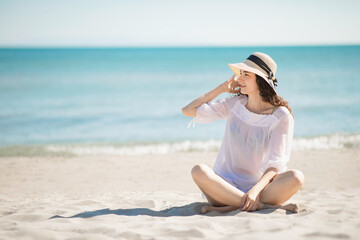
<point>128,101</point>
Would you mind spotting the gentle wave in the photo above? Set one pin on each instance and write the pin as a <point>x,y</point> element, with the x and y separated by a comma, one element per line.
<point>334,141</point>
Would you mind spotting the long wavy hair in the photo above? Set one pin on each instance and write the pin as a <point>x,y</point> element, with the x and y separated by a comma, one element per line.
<point>269,95</point>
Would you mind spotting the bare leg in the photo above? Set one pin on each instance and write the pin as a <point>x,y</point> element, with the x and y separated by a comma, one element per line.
<point>223,196</point>
<point>282,187</point>
<point>218,191</point>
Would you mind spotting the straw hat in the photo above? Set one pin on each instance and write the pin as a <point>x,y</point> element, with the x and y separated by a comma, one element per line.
<point>260,64</point>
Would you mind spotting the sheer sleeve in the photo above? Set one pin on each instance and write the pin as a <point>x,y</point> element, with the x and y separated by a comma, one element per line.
<point>214,110</point>
<point>280,143</point>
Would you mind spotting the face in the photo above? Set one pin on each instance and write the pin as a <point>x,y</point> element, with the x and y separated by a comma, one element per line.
<point>247,80</point>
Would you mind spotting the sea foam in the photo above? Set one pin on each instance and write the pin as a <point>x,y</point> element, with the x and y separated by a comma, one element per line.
<point>328,142</point>
<point>335,141</point>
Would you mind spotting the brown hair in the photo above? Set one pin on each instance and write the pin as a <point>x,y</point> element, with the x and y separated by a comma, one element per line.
<point>269,95</point>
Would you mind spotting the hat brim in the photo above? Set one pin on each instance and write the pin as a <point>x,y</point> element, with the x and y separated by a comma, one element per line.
<point>236,67</point>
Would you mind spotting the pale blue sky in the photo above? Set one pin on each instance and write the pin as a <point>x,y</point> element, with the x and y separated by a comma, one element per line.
<point>178,23</point>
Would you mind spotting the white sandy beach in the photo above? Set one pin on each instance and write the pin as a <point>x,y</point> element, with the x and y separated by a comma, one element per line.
<point>154,197</point>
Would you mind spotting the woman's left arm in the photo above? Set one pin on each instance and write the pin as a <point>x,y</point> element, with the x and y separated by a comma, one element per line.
<point>266,178</point>
<point>251,199</point>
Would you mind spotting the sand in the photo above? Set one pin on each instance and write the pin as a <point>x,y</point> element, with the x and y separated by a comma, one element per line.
<point>154,197</point>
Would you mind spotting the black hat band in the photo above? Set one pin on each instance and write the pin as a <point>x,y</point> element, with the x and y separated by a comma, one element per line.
<point>263,66</point>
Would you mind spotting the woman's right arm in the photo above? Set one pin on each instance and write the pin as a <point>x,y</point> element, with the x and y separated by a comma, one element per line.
<point>227,86</point>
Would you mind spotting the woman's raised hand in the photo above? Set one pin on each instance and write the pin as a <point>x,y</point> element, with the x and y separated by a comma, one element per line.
<point>231,85</point>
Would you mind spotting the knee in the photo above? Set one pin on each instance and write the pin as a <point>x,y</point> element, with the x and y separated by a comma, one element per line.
<point>297,177</point>
<point>199,172</point>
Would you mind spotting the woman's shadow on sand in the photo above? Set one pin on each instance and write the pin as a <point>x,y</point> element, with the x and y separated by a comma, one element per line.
<point>182,211</point>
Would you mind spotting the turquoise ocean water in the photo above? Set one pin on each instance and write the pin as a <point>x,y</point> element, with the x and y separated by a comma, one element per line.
<point>129,100</point>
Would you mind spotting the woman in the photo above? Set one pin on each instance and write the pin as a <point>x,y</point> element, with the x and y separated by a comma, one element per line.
<point>250,170</point>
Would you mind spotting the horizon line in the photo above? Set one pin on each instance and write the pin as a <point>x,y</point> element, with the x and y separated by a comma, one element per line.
<point>169,46</point>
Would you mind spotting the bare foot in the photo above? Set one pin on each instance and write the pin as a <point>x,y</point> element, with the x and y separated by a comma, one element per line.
<point>292,207</point>
<point>209,208</point>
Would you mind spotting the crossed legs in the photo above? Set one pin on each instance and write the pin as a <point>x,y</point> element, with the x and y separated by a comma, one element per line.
<point>224,197</point>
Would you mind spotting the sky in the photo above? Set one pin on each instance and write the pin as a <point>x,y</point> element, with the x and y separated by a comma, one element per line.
<point>136,23</point>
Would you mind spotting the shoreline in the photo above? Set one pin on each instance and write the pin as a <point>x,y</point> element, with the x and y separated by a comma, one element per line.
<point>324,142</point>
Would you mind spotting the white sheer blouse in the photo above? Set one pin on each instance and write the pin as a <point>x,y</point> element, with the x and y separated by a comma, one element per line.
<point>252,142</point>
